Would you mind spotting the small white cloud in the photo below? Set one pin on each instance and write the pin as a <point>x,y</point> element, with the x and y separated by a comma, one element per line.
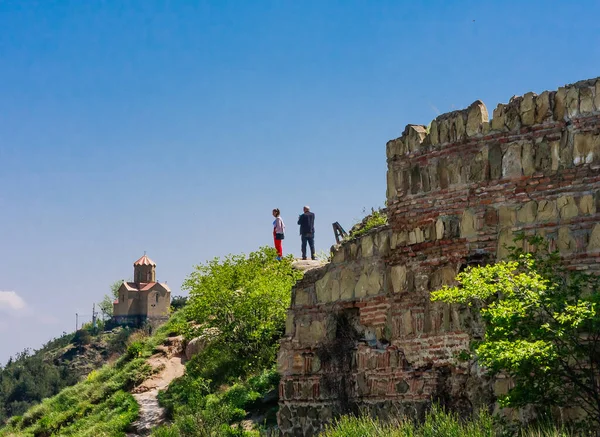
<point>11,301</point>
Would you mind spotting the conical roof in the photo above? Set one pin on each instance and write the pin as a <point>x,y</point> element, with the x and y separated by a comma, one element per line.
<point>144,261</point>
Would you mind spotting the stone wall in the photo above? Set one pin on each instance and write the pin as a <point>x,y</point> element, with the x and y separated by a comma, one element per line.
<point>362,334</point>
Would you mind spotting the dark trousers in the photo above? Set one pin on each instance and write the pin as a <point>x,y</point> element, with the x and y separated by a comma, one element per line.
<point>310,239</point>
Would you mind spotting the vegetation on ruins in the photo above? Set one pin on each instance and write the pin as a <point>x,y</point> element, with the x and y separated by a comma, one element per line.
<point>542,328</point>
<point>376,218</point>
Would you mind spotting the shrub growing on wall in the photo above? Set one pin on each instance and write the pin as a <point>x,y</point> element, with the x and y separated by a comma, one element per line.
<point>542,328</point>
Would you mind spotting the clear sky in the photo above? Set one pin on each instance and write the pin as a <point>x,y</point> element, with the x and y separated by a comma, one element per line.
<point>174,127</point>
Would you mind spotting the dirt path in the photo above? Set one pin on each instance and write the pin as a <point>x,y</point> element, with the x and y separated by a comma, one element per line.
<point>169,364</point>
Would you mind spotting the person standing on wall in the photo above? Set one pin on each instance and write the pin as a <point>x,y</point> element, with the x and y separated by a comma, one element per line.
<point>278,233</point>
<point>307,232</point>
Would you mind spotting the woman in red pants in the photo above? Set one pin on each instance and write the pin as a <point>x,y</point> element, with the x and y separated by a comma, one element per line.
<point>278,232</point>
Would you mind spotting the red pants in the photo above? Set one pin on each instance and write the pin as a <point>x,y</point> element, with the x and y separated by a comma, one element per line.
<point>278,247</point>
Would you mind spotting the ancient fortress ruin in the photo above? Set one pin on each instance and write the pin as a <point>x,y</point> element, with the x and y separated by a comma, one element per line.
<point>362,334</point>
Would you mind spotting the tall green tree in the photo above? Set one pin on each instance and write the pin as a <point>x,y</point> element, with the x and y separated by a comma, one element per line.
<point>106,305</point>
<point>542,327</point>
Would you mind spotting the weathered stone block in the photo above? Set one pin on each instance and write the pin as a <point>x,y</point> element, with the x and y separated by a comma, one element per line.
<point>511,161</point>
<point>383,243</point>
<point>559,104</point>
<point>434,137</point>
<point>476,116</point>
<point>310,332</point>
<point>362,286</point>
<point>398,274</point>
<point>527,159</point>
<point>572,101</point>
<point>439,229</point>
<point>594,241</point>
<point>289,323</point>
<point>527,212</point>
<point>597,96</point>
<point>444,131</point>
<point>399,239</point>
<point>495,161</point>
<point>586,100</point>
<point>374,282</point>
<point>366,245</point>
<point>505,240</point>
<point>528,109</point>
<point>587,204</point>
<point>303,296</point>
<point>547,210</point>
<point>585,147</point>
<point>348,283</point>
<point>565,241</point>
<point>498,118</point>
<point>392,192</point>
<point>507,216</point>
<point>339,255</point>
<point>459,127</point>
<point>327,289</point>
<point>414,136</point>
<point>468,224</point>
<point>542,107</point>
<point>567,207</point>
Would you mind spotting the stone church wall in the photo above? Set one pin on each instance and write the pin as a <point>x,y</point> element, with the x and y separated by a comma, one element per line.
<point>362,334</point>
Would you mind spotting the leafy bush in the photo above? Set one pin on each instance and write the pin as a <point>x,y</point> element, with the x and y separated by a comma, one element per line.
<point>542,328</point>
<point>375,219</point>
<point>246,299</point>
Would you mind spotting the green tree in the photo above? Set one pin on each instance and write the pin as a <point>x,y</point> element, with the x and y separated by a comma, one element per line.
<point>542,327</point>
<point>245,298</point>
<point>106,305</point>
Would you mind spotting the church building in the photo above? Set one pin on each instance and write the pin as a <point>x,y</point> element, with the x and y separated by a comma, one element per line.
<point>144,299</point>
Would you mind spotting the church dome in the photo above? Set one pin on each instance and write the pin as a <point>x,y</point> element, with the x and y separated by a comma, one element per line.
<point>144,261</point>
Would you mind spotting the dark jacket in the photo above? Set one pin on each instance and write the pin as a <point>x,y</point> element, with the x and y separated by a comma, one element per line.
<point>307,223</point>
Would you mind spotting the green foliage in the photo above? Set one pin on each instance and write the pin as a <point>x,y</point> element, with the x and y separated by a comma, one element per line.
<point>542,328</point>
<point>178,302</point>
<point>97,406</point>
<point>82,337</point>
<point>245,298</point>
<point>375,219</point>
<point>438,423</point>
<point>199,411</point>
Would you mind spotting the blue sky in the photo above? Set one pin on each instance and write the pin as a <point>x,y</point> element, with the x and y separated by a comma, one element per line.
<point>175,127</point>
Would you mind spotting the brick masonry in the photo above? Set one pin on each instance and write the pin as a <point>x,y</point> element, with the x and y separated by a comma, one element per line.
<point>362,334</point>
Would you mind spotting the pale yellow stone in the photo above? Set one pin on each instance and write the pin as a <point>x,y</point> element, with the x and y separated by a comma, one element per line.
<point>399,239</point>
<point>302,297</point>
<point>572,102</point>
<point>511,161</point>
<point>547,210</point>
<point>374,282</point>
<point>505,240</point>
<point>476,116</point>
<point>444,131</point>
<point>389,149</point>
<point>468,227</point>
<point>498,118</point>
<point>527,109</point>
<point>348,283</point>
<point>542,107</point>
<point>398,276</point>
<point>527,159</point>
<point>353,250</point>
<point>415,137</point>
<point>585,147</point>
<point>555,151</point>
<point>567,207</point>
<point>559,104</point>
<point>594,243</point>
<point>439,229</point>
<point>587,204</point>
<point>392,192</point>
<point>565,242</point>
<point>434,137</point>
<point>383,243</point>
<point>323,289</point>
<point>310,332</point>
<point>527,212</point>
<point>361,288</point>
<point>507,216</point>
<point>459,127</point>
<point>586,100</point>
<point>597,96</point>
<point>366,244</point>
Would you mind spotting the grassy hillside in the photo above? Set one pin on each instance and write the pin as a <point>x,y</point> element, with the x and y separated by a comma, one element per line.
<point>241,301</point>
<point>32,376</point>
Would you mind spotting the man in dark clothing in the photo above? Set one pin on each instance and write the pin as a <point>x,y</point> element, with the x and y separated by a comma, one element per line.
<point>307,232</point>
